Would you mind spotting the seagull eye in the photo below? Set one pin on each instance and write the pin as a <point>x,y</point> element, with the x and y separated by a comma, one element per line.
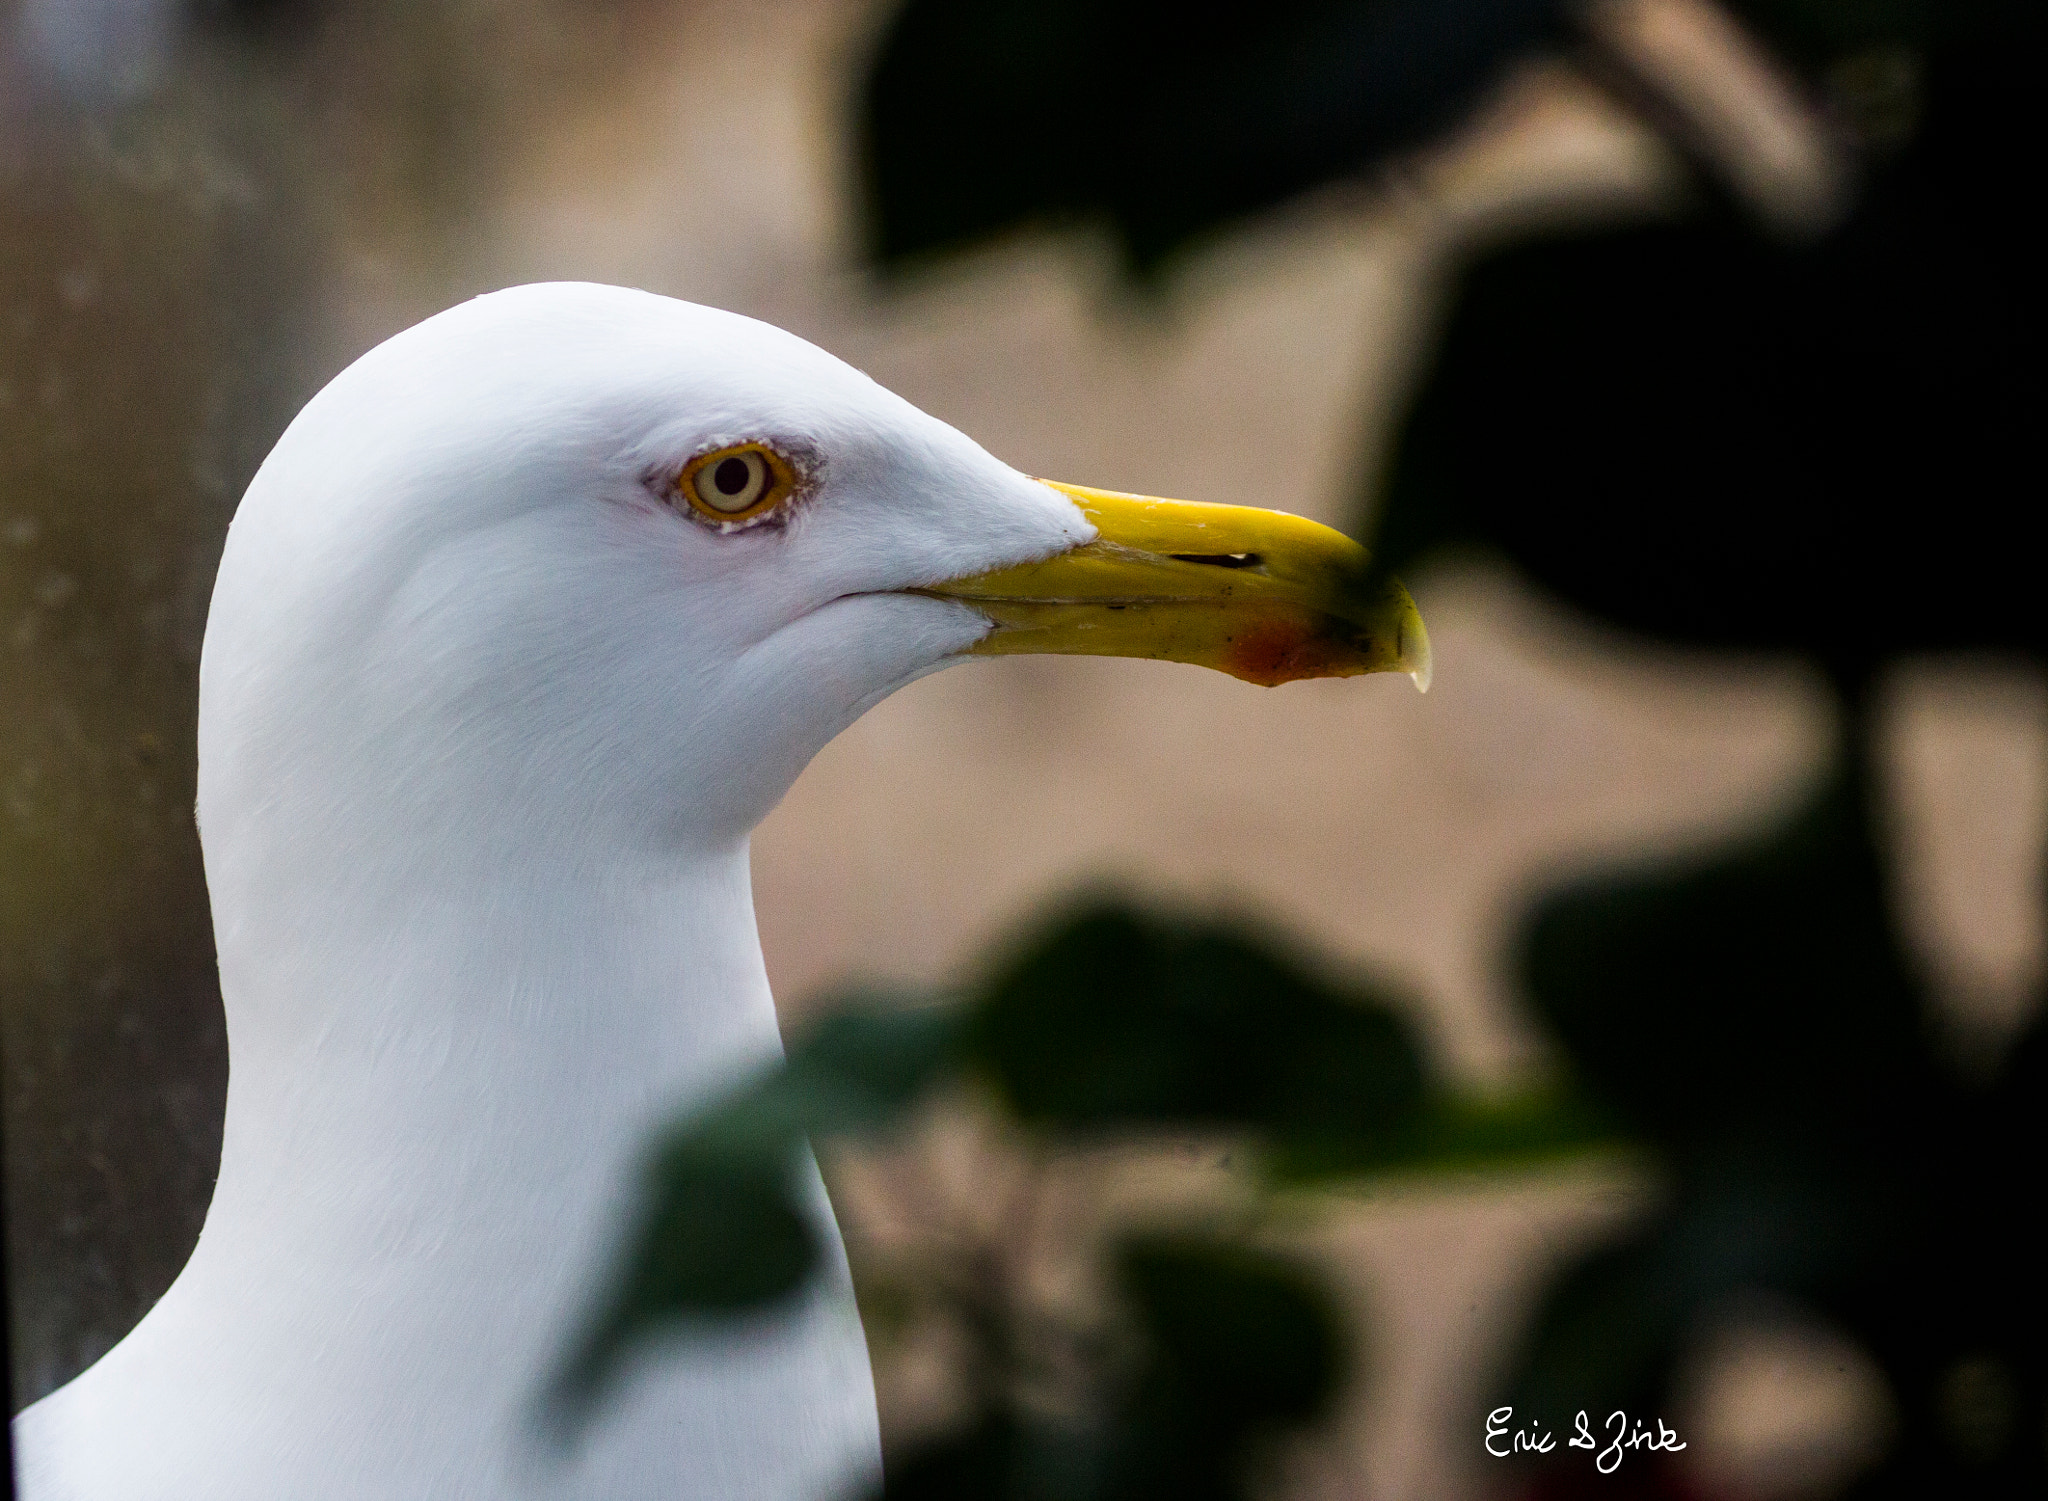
<point>737,484</point>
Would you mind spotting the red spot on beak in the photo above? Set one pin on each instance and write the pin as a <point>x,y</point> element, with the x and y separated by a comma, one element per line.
<point>1284,651</point>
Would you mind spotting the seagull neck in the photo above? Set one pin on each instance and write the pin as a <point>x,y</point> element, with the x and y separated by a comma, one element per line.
<point>442,1082</point>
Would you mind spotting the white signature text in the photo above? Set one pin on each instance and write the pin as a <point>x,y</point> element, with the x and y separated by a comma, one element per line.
<point>1619,1436</point>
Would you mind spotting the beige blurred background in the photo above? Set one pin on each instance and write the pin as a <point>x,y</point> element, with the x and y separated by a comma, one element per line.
<point>199,226</point>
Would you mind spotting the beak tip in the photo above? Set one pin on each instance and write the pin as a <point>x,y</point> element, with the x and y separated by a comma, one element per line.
<point>1420,665</point>
<point>1411,648</point>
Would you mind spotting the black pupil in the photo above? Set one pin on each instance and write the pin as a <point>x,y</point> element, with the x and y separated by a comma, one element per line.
<point>731,476</point>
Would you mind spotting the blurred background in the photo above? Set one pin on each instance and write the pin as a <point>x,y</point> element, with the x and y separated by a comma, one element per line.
<point>1679,357</point>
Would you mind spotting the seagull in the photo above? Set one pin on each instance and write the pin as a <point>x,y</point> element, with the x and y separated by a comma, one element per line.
<point>528,619</point>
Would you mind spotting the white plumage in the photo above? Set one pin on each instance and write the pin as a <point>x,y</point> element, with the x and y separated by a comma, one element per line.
<point>493,692</point>
<point>484,725</point>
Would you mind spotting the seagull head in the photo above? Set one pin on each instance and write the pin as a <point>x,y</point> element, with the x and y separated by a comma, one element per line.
<point>633,561</point>
<point>529,617</point>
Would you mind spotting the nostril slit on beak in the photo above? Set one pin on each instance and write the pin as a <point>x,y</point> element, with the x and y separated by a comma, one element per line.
<point>1219,559</point>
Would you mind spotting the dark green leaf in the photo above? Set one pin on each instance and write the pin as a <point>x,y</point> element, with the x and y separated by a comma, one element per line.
<point>725,1236</point>
<point>1607,1336</point>
<point>1763,979</point>
<point>1243,1336</point>
<point>1113,1018</point>
<point>1166,120</point>
<point>1727,442</point>
<point>1240,1346</point>
<point>1751,1012</point>
<point>1456,1134</point>
<point>865,1063</point>
<point>1003,1458</point>
<point>731,1226</point>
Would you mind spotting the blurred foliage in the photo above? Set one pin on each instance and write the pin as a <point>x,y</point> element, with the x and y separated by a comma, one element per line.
<point>1698,430</point>
<point>1164,118</point>
<point>1116,1020</point>
<point>1722,440</point>
<point>1753,1015</point>
<point>1727,442</point>
<point>1234,1347</point>
<point>727,1229</point>
<point>1107,1023</point>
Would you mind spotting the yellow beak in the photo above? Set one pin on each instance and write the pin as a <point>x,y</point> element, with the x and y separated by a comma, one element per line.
<point>1261,595</point>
